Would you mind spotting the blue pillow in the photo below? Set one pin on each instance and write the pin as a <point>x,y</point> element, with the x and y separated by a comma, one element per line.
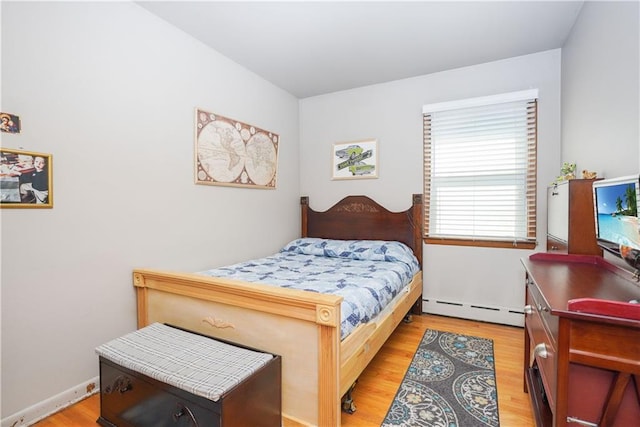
<point>371,250</point>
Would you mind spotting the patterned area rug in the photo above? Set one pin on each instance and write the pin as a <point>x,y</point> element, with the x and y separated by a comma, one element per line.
<point>450,383</point>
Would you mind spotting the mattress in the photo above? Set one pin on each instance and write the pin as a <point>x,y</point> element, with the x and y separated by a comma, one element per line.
<point>368,274</point>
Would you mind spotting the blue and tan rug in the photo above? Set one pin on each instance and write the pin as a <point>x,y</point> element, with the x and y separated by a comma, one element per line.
<point>450,383</point>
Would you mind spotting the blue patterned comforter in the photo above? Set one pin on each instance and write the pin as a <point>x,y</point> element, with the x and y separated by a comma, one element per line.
<point>368,274</point>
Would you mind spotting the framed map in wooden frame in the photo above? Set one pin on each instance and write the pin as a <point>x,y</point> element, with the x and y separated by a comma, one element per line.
<point>233,153</point>
<point>355,160</point>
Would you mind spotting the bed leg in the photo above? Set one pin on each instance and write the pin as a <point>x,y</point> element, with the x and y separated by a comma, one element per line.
<point>347,400</point>
<point>416,308</point>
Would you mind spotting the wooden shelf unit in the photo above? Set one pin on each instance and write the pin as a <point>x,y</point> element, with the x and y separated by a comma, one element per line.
<point>571,219</point>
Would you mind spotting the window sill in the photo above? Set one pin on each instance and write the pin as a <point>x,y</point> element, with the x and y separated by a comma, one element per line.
<point>479,243</point>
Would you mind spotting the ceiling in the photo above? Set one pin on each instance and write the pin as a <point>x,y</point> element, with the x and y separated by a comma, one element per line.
<point>312,48</point>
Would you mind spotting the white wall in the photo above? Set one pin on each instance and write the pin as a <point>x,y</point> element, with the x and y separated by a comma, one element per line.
<point>110,91</point>
<point>600,89</point>
<point>392,113</point>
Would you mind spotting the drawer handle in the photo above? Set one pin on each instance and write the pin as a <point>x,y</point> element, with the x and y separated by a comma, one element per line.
<point>542,308</point>
<point>581,422</point>
<point>182,410</point>
<point>121,384</point>
<point>528,309</point>
<point>541,351</point>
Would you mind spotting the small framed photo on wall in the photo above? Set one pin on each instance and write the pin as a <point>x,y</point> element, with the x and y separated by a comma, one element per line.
<point>9,123</point>
<point>26,179</point>
<point>355,159</point>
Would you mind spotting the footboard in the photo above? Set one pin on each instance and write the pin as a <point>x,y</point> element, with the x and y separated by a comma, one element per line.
<point>302,327</point>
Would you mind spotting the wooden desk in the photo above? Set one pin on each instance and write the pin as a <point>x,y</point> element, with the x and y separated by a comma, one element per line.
<point>580,368</point>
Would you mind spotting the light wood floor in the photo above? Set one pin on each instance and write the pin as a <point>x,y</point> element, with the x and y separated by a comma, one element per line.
<point>378,384</point>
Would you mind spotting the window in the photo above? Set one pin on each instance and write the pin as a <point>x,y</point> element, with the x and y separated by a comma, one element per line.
<point>480,171</point>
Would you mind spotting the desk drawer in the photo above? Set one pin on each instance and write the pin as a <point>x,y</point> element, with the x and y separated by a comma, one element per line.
<point>540,306</point>
<point>543,350</point>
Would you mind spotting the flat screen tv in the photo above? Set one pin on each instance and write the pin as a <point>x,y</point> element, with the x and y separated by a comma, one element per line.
<point>616,213</point>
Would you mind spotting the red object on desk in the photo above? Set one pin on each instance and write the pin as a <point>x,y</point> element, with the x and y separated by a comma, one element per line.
<point>625,310</point>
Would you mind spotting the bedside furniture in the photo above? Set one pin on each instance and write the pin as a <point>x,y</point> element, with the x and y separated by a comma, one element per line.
<point>581,360</point>
<point>163,376</point>
<point>571,218</point>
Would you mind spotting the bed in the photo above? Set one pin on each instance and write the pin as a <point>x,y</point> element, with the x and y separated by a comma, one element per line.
<point>304,327</point>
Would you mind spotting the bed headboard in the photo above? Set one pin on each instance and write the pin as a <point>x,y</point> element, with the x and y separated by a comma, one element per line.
<point>360,218</point>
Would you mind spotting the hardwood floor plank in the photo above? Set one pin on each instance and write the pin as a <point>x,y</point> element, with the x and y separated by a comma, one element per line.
<point>83,413</point>
<point>378,384</point>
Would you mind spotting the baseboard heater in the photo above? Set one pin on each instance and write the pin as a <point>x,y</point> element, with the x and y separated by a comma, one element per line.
<point>485,313</point>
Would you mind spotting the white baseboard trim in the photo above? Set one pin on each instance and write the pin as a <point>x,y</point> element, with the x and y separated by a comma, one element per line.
<point>481,312</point>
<point>43,409</point>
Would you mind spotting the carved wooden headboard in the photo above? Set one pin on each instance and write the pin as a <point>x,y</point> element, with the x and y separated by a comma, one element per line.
<point>361,218</point>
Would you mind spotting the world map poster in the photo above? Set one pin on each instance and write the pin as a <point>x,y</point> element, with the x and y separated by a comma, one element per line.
<point>231,152</point>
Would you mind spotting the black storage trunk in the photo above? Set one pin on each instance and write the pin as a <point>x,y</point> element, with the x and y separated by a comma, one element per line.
<point>130,398</point>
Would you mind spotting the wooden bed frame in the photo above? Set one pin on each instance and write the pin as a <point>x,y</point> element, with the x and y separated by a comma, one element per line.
<point>302,327</point>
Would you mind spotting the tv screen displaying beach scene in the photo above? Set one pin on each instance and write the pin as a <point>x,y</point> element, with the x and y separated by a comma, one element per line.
<point>617,213</point>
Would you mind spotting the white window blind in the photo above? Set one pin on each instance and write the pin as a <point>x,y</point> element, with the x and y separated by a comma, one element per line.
<point>480,168</point>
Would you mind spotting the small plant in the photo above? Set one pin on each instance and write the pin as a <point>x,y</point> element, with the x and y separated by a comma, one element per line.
<point>567,172</point>
<point>568,169</point>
